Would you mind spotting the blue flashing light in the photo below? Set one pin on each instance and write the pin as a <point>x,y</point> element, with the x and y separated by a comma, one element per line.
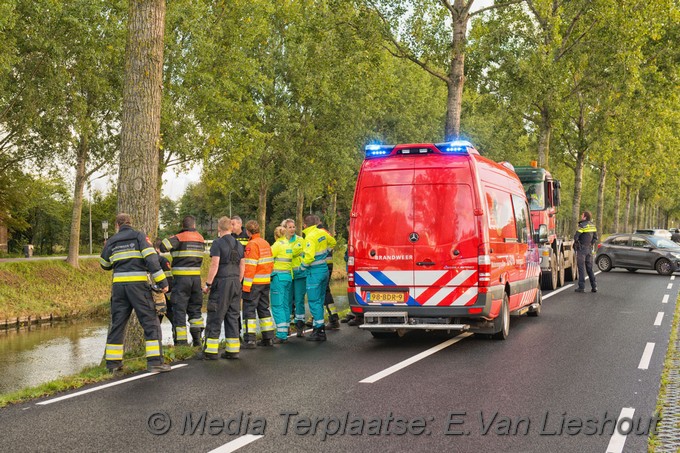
<point>455,147</point>
<point>378,150</point>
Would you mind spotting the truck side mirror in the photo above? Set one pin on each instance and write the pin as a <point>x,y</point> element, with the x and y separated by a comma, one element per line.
<point>556,193</point>
<point>542,234</point>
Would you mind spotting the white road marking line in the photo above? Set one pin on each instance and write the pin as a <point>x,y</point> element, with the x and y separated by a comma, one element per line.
<point>659,318</point>
<point>646,356</point>
<point>672,277</point>
<point>670,286</point>
<point>236,444</point>
<point>557,291</point>
<point>665,299</point>
<point>618,440</point>
<point>403,364</point>
<point>102,387</point>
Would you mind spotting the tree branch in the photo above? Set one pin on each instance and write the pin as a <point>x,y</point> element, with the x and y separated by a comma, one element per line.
<point>541,20</point>
<point>495,6</point>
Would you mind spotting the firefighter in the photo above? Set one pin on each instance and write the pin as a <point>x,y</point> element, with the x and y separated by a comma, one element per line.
<point>329,303</point>
<point>317,244</point>
<point>187,249</point>
<point>227,265</point>
<point>167,270</point>
<point>282,281</point>
<point>131,257</point>
<point>584,240</point>
<point>299,286</point>
<point>256,281</point>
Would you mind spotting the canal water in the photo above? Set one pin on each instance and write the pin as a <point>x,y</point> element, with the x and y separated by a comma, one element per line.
<point>32,357</point>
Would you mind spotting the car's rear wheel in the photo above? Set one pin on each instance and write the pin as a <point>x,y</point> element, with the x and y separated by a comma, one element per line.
<point>503,321</point>
<point>631,269</point>
<point>664,267</point>
<point>604,263</point>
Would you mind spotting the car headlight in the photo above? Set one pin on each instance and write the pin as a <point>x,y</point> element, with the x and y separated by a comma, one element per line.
<point>676,256</point>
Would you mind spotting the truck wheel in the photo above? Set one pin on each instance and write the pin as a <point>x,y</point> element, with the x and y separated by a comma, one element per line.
<point>538,300</point>
<point>571,274</point>
<point>560,271</point>
<point>502,322</point>
<point>549,279</point>
<point>384,335</point>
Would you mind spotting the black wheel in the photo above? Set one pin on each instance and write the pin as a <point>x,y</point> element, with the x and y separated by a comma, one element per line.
<point>604,263</point>
<point>630,269</point>
<point>502,322</point>
<point>384,335</point>
<point>538,300</point>
<point>664,267</point>
<point>560,270</point>
<point>571,274</point>
<point>549,279</point>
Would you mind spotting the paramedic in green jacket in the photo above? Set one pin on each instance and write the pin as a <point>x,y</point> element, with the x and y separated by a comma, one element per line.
<point>282,280</point>
<point>317,244</point>
<point>299,286</point>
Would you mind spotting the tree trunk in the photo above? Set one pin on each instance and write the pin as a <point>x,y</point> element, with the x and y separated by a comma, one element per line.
<point>456,81</point>
<point>636,207</point>
<point>76,213</point>
<point>332,216</point>
<point>627,218</point>
<point>599,223</point>
<point>578,187</point>
<point>140,127</point>
<point>299,210</point>
<point>545,131</point>
<point>617,206</point>
<point>262,207</point>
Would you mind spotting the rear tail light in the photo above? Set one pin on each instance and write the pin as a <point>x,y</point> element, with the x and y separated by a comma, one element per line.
<point>484,263</point>
<point>599,245</point>
<point>350,267</point>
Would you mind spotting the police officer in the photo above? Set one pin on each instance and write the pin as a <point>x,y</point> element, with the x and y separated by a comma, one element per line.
<point>187,249</point>
<point>329,303</point>
<point>131,257</point>
<point>256,282</point>
<point>584,240</point>
<point>299,286</point>
<point>227,265</point>
<point>317,244</point>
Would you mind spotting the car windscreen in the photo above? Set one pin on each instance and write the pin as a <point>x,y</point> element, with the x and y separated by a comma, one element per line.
<point>663,243</point>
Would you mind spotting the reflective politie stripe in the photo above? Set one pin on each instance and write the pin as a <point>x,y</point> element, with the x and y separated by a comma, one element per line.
<point>233,345</point>
<point>132,254</point>
<point>266,324</point>
<point>114,351</point>
<point>212,345</point>
<point>181,333</point>
<point>198,322</point>
<point>153,348</point>
<point>180,271</point>
<point>148,251</point>
<point>126,277</point>
<point>251,325</point>
<point>167,244</point>
<point>158,276</point>
<point>187,253</point>
<point>106,264</point>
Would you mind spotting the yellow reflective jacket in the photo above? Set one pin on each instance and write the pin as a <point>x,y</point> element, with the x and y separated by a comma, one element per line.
<point>282,251</point>
<point>298,244</point>
<point>318,242</point>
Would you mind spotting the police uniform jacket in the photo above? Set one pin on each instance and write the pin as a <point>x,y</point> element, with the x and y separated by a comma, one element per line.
<point>585,237</point>
<point>131,257</point>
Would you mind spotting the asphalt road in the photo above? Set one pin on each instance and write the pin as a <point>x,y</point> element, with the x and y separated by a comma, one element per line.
<point>579,367</point>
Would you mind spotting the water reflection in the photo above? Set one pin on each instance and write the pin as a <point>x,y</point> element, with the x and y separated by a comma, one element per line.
<point>29,358</point>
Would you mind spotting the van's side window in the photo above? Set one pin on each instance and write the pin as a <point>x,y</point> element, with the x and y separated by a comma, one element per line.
<point>522,219</point>
<point>499,207</point>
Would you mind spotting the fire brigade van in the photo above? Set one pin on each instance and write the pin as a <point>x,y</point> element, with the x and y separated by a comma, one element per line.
<point>440,239</point>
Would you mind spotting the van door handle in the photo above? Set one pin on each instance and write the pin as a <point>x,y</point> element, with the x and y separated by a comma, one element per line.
<point>425,263</point>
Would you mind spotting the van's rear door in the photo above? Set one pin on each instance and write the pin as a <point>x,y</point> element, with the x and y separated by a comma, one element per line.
<point>382,217</point>
<point>445,254</point>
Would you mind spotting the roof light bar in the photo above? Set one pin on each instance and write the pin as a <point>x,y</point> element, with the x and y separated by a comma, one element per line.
<point>378,150</point>
<point>455,147</point>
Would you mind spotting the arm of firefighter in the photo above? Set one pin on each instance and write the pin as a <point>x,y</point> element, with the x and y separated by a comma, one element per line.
<point>105,259</point>
<point>241,269</point>
<point>251,257</point>
<point>152,264</point>
<point>169,243</point>
<point>214,265</point>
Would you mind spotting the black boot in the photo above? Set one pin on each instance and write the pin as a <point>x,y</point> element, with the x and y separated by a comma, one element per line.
<point>196,337</point>
<point>334,322</point>
<point>300,328</point>
<point>319,334</point>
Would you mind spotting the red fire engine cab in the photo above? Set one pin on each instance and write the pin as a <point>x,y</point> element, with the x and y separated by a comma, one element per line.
<point>440,239</point>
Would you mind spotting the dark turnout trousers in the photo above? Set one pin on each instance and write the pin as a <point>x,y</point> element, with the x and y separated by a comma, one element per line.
<point>124,298</point>
<point>224,304</point>
<point>187,300</point>
<point>257,302</point>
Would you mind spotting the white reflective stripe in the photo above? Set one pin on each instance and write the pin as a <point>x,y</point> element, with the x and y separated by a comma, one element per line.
<point>148,251</point>
<point>466,297</point>
<point>439,296</point>
<point>427,278</point>
<point>261,275</point>
<point>126,256</point>
<point>187,253</point>
<point>282,260</point>
<point>316,263</point>
<point>269,259</point>
<point>157,274</point>
<point>404,278</point>
<point>370,279</point>
<point>251,261</point>
<point>186,268</point>
<point>167,244</point>
<point>129,274</point>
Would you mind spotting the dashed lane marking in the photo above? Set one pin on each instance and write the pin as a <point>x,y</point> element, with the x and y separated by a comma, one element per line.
<point>670,286</point>
<point>659,318</point>
<point>646,356</point>
<point>236,444</point>
<point>618,440</point>
<point>102,387</point>
<point>665,299</point>
<point>403,364</point>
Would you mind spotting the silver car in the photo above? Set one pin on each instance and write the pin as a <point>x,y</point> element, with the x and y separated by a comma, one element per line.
<point>638,251</point>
